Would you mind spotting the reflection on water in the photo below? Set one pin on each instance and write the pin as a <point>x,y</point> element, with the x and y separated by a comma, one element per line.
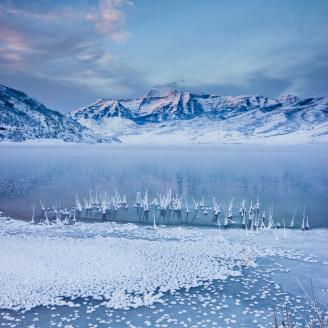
<point>284,177</point>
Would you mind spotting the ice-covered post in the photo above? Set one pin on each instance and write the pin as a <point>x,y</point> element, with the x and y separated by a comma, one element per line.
<point>168,204</point>
<point>78,204</point>
<point>197,206</point>
<point>176,206</point>
<point>303,220</point>
<point>263,220</point>
<point>44,213</point>
<point>57,213</point>
<point>104,203</point>
<point>137,205</point>
<point>67,215</point>
<point>293,219</point>
<point>251,216</point>
<point>115,206</point>
<point>257,212</point>
<point>305,226</point>
<point>307,223</point>
<point>230,211</point>
<point>216,211</point>
<point>243,222</point>
<point>270,223</point>
<point>187,209</point>
<point>33,213</point>
<point>88,207</point>
<point>96,199</point>
<point>145,205</point>
<point>226,218</point>
<point>242,212</point>
<point>154,218</point>
<point>124,202</point>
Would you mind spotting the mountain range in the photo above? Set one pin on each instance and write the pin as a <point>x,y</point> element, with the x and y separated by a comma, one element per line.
<point>184,117</point>
<point>169,117</point>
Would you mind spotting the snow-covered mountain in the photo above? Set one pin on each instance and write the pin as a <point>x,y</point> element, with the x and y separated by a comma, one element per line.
<point>23,118</point>
<point>169,117</point>
<point>183,117</point>
<point>174,105</point>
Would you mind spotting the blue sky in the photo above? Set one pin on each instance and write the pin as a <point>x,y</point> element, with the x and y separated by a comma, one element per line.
<point>68,53</point>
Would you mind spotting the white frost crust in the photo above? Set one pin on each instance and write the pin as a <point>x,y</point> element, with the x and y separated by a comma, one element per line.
<point>40,269</point>
<point>125,265</point>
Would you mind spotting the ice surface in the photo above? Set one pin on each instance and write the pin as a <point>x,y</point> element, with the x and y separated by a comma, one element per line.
<point>38,270</point>
<point>127,265</point>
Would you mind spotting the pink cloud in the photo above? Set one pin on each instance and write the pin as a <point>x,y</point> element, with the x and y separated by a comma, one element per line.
<point>13,40</point>
<point>67,43</point>
<point>109,18</point>
<point>64,13</point>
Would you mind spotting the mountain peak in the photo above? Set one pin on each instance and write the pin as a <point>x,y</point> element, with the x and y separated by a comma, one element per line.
<point>289,99</point>
<point>153,93</point>
<point>172,92</point>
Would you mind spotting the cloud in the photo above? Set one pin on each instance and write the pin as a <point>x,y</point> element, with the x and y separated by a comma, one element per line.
<point>66,94</point>
<point>58,14</point>
<point>304,74</point>
<point>310,78</point>
<point>316,82</point>
<point>77,44</point>
<point>55,95</point>
<point>255,83</point>
<point>109,18</point>
<point>68,43</point>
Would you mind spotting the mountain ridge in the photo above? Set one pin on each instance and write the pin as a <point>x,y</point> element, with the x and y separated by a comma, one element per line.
<point>198,117</point>
<point>25,118</point>
<point>167,118</point>
<point>156,106</point>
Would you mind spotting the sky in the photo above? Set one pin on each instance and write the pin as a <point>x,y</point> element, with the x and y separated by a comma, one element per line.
<point>68,53</point>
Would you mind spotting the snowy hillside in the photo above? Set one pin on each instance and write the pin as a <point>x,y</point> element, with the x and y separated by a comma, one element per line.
<point>183,117</point>
<point>23,118</point>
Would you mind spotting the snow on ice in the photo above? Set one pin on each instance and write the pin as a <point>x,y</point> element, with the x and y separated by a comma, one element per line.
<point>126,265</point>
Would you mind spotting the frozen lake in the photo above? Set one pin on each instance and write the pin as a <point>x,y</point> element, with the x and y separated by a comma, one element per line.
<point>112,274</point>
<point>125,275</point>
<point>282,177</point>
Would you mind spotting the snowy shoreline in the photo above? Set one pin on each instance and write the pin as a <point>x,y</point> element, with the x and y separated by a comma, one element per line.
<point>173,141</point>
<point>127,265</point>
<point>152,145</point>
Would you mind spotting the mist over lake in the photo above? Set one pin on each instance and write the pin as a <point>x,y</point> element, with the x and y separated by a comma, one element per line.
<point>284,177</point>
